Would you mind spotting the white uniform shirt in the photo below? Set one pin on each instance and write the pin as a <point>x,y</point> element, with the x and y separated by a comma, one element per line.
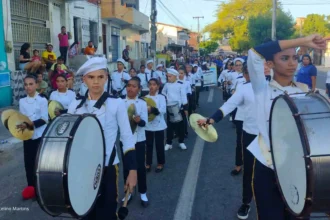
<point>238,82</point>
<point>198,78</point>
<point>117,82</point>
<point>264,93</point>
<point>151,74</point>
<point>35,108</point>
<point>328,77</point>
<point>232,76</point>
<point>191,78</point>
<point>64,98</point>
<point>142,111</point>
<point>158,124</point>
<point>144,81</point>
<point>162,76</point>
<point>112,115</point>
<point>186,85</point>
<point>175,92</point>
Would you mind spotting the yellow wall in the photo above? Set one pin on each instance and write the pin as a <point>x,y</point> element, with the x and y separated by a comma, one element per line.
<point>132,36</point>
<point>114,9</point>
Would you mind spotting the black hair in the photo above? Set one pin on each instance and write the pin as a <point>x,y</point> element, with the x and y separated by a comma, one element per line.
<point>245,68</point>
<point>60,58</point>
<point>61,75</point>
<point>142,66</point>
<point>38,73</point>
<point>154,80</point>
<point>132,69</point>
<point>55,67</point>
<point>62,27</point>
<point>309,57</point>
<point>90,41</point>
<point>24,47</point>
<point>35,50</point>
<point>72,45</point>
<point>136,79</point>
<point>231,63</point>
<point>31,76</point>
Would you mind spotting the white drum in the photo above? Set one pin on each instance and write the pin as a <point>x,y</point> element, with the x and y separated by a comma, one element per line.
<point>69,165</point>
<point>299,133</point>
<point>173,111</point>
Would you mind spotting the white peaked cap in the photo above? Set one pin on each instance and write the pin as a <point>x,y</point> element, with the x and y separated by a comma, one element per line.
<point>159,65</point>
<point>149,61</point>
<point>92,64</point>
<point>121,60</point>
<point>172,72</point>
<point>239,59</point>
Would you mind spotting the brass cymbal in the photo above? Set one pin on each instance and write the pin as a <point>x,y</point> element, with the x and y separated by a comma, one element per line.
<point>52,106</point>
<point>208,134</point>
<point>5,116</point>
<point>18,119</point>
<point>150,103</point>
<point>131,111</point>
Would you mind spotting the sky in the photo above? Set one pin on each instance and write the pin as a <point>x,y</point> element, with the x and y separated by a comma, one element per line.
<point>185,10</point>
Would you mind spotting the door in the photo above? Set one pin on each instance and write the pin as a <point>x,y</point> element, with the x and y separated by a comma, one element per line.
<point>85,31</point>
<point>104,38</point>
<point>137,47</point>
<point>115,47</point>
<point>56,19</point>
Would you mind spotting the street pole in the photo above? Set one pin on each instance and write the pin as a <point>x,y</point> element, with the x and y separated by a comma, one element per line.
<point>198,38</point>
<point>153,29</point>
<point>274,20</point>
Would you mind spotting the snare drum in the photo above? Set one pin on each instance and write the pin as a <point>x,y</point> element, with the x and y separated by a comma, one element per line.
<point>173,110</point>
<point>299,132</point>
<point>70,164</point>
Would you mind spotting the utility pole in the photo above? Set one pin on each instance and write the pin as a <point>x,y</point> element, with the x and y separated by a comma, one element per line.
<point>153,29</point>
<point>198,38</point>
<point>274,20</point>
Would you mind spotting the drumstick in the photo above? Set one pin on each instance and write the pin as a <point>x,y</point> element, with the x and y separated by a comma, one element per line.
<point>123,211</point>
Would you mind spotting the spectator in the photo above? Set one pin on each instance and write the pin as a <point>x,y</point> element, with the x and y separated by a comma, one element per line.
<point>74,49</point>
<point>48,56</point>
<point>26,62</point>
<point>42,85</point>
<point>132,72</point>
<point>126,56</point>
<point>63,37</point>
<point>59,61</point>
<point>307,73</point>
<point>89,50</point>
<point>327,84</point>
<point>57,71</point>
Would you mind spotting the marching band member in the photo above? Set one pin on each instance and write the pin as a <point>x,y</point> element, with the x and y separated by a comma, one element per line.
<point>198,82</point>
<point>174,91</point>
<point>151,74</point>
<point>161,75</point>
<point>144,80</point>
<point>187,86</point>
<point>155,129</point>
<point>133,88</point>
<point>35,107</point>
<point>224,79</point>
<point>192,79</point>
<point>112,114</point>
<point>63,95</point>
<point>119,78</point>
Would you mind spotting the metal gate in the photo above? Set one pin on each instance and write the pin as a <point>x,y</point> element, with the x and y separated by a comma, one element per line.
<point>30,24</point>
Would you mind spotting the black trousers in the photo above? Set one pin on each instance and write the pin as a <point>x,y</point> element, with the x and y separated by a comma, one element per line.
<point>140,151</point>
<point>270,205</point>
<point>192,103</point>
<point>30,148</point>
<point>64,53</point>
<point>248,160</point>
<point>106,204</point>
<point>198,90</point>
<point>185,122</point>
<point>158,138</point>
<point>239,136</point>
<point>177,127</point>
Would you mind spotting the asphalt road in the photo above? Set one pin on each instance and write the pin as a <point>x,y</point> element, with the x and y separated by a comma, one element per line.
<point>195,184</point>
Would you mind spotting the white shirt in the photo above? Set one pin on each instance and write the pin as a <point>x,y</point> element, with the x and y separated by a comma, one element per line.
<point>232,76</point>
<point>238,82</point>
<point>191,78</point>
<point>117,82</point>
<point>112,115</point>
<point>198,77</point>
<point>151,74</point>
<point>162,76</point>
<point>144,80</point>
<point>186,85</point>
<point>35,108</point>
<point>142,111</point>
<point>158,124</point>
<point>175,92</point>
<point>65,98</point>
<point>264,94</point>
<point>328,77</point>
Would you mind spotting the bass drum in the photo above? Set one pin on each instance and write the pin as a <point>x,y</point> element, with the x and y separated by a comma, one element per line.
<point>299,131</point>
<point>69,165</point>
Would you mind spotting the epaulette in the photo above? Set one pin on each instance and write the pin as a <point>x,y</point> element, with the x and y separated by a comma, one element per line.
<point>142,98</point>
<point>180,82</point>
<point>71,89</point>
<point>246,82</point>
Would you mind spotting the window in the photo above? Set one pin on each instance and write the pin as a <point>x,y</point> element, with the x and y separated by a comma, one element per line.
<point>115,35</point>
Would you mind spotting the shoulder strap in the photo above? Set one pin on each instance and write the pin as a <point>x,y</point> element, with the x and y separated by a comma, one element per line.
<point>113,156</point>
<point>302,86</point>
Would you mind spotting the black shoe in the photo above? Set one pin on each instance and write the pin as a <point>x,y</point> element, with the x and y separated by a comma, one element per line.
<point>159,169</point>
<point>148,169</point>
<point>145,204</point>
<point>235,172</point>
<point>243,211</point>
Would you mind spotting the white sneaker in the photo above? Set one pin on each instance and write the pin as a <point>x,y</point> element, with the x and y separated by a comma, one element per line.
<point>168,147</point>
<point>183,146</point>
<point>128,198</point>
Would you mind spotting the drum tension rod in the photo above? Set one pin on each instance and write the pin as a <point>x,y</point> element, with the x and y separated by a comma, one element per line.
<point>320,155</point>
<point>314,113</point>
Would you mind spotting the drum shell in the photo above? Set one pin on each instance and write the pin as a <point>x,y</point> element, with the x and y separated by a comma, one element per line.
<point>51,171</point>
<point>173,111</point>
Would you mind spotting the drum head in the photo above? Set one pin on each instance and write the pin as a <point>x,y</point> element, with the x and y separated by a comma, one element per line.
<point>288,155</point>
<point>85,165</point>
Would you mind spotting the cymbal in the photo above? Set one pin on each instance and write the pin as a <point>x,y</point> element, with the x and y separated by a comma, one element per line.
<point>131,111</point>
<point>5,116</point>
<point>208,134</point>
<point>150,103</point>
<point>52,106</point>
<point>18,119</point>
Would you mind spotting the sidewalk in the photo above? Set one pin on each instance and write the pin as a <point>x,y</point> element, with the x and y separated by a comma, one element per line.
<point>323,69</point>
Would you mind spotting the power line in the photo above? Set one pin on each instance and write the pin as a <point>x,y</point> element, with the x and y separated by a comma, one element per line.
<point>169,11</point>
<point>145,8</point>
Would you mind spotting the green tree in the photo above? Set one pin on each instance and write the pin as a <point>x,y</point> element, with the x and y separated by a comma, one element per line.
<point>208,47</point>
<point>315,23</point>
<point>260,27</point>
<point>232,21</point>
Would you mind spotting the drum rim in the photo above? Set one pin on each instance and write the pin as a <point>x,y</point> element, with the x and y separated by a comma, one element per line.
<point>306,150</point>
<point>66,155</point>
